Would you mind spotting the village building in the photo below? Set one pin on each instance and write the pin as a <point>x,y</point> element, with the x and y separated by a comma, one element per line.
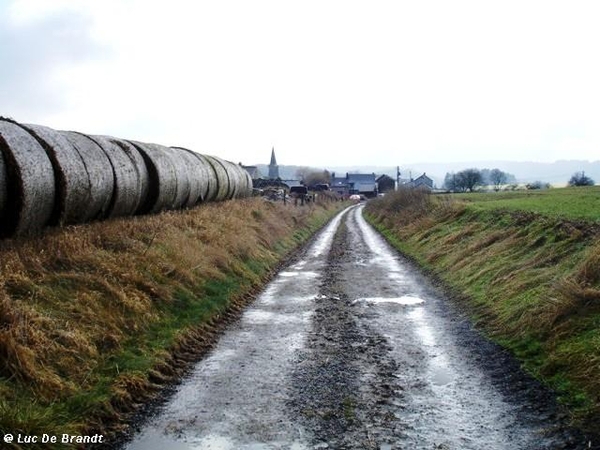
<point>339,185</point>
<point>252,171</point>
<point>355,183</point>
<point>422,182</point>
<point>385,183</point>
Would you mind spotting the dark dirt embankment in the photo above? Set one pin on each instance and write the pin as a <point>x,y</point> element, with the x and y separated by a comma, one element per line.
<point>530,281</point>
<point>95,319</point>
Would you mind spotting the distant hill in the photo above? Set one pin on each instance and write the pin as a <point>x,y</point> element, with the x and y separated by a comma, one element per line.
<point>556,173</point>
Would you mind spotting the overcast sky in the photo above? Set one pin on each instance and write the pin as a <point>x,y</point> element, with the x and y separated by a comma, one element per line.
<point>327,83</point>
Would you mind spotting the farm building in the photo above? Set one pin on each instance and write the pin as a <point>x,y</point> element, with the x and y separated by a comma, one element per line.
<point>355,183</point>
<point>423,182</point>
<point>385,183</point>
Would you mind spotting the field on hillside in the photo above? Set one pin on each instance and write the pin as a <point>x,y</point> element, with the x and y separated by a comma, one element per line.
<point>574,203</point>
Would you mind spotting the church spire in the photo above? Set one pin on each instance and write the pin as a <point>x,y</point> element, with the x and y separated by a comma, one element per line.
<point>273,167</point>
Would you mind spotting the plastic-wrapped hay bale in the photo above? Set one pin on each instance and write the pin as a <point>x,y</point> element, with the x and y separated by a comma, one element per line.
<point>72,181</point>
<point>198,176</point>
<point>100,176</point>
<point>212,186</point>
<point>130,176</point>
<point>182,175</point>
<point>223,191</point>
<point>30,188</point>
<point>163,178</point>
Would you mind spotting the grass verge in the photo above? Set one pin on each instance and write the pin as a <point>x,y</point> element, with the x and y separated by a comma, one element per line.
<point>95,319</point>
<point>531,281</point>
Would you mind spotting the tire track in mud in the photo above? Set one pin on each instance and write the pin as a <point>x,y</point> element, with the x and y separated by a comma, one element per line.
<point>344,384</point>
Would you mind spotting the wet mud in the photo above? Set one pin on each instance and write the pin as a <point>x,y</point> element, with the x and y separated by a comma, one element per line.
<point>351,347</point>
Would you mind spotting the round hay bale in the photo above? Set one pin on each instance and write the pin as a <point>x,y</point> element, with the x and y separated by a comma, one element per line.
<point>248,184</point>
<point>211,178</point>
<point>128,171</point>
<point>2,186</point>
<point>234,178</point>
<point>71,178</point>
<point>182,175</point>
<point>244,188</point>
<point>140,167</point>
<point>30,187</point>
<point>100,176</point>
<point>198,176</point>
<point>222,177</point>
<point>162,192</point>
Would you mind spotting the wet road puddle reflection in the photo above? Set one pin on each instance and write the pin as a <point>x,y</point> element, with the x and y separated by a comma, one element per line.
<point>439,371</point>
<point>304,274</point>
<point>397,276</point>
<point>440,376</point>
<point>405,300</point>
<point>261,316</point>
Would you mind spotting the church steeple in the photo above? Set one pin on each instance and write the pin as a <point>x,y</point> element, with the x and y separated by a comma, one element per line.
<point>273,167</point>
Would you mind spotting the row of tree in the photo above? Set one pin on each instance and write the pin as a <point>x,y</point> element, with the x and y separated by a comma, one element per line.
<point>468,179</point>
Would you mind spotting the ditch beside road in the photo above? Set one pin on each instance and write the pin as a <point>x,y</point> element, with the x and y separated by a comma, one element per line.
<point>351,347</point>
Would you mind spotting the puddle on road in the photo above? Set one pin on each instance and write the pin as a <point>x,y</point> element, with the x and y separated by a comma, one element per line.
<point>154,441</point>
<point>260,316</point>
<point>397,276</point>
<point>304,274</point>
<point>322,246</point>
<point>214,442</point>
<point>405,300</point>
<point>422,329</point>
<point>299,265</point>
<point>440,375</point>
<point>439,371</point>
<point>273,295</point>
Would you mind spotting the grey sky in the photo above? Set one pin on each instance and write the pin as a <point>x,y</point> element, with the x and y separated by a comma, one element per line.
<point>33,54</point>
<point>328,83</point>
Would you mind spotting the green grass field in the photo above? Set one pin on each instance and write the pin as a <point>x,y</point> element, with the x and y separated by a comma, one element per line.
<point>573,203</point>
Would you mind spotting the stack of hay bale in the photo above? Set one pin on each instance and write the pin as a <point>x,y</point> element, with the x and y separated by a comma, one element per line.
<point>50,177</point>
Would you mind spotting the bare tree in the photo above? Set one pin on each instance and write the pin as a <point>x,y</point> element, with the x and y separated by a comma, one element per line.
<point>450,182</point>
<point>311,176</point>
<point>497,178</point>
<point>580,179</point>
<point>468,179</point>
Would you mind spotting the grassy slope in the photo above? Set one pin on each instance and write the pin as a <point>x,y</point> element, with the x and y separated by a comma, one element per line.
<point>92,318</point>
<point>532,281</point>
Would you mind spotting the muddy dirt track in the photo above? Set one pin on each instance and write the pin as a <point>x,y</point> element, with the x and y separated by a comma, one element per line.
<point>351,348</point>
